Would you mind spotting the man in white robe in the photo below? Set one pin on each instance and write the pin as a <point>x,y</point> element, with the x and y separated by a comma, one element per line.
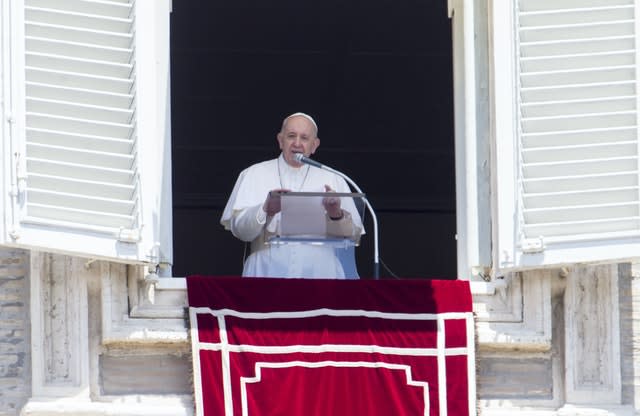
<point>253,214</point>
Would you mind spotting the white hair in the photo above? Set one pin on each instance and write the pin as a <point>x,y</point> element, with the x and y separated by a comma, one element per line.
<point>307,116</point>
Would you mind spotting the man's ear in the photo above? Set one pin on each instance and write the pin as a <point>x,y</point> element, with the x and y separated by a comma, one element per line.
<point>279,138</point>
<point>316,144</point>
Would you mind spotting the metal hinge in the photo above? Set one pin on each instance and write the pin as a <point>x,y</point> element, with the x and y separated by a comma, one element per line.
<point>18,185</point>
<point>532,245</point>
<point>127,235</point>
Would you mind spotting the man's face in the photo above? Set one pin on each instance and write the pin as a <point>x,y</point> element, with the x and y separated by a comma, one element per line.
<point>298,135</point>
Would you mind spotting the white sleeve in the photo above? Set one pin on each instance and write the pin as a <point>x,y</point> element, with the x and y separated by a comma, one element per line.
<point>246,224</point>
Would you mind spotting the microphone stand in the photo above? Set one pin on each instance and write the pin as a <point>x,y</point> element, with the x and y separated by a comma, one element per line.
<point>376,260</point>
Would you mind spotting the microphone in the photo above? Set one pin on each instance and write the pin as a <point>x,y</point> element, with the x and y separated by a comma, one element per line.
<point>300,158</point>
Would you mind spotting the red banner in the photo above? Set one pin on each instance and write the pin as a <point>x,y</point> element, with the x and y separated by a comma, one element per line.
<point>312,347</point>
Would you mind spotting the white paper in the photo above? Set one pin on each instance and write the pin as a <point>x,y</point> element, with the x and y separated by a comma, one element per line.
<point>302,216</point>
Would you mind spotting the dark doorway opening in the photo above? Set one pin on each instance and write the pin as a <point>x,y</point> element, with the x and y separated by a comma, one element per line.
<point>377,77</point>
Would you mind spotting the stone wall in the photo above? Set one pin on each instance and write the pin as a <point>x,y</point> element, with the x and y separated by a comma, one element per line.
<point>562,341</point>
<point>15,357</point>
<point>106,340</point>
<point>585,363</point>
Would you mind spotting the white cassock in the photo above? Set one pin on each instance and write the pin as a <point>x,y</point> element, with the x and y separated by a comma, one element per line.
<point>246,219</point>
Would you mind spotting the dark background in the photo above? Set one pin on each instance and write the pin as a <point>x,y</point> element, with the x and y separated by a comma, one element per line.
<point>377,77</point>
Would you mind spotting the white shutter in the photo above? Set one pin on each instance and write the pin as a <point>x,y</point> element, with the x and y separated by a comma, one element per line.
<point>573,148</point>
<point>80,126</point>
<point>77,139</point>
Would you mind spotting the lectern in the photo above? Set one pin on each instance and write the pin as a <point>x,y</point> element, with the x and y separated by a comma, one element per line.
<point>303,220</point>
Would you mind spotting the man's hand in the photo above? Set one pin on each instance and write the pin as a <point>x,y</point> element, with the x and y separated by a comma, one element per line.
<point>332,205</point>
<point>272,204</point>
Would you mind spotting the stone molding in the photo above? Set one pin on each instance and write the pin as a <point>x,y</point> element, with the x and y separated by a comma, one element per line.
<point>592,336</point>
<point>517,315</point>
<point>59,327</point>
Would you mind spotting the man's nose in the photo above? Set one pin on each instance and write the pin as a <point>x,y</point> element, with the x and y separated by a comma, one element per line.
<point>297,142</point>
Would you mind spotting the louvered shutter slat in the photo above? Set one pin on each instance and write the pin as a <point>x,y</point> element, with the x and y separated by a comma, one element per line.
<point>75,217</point>
<point>582,167</point>
<point>581,121</point>
<point>52,16</point>
<point>70,185</point>
<point>572,61</point>
<point>603,75</point>
<point>588,229</point>
<point>78,126</point>
<point>79,80</point>
<point>592,89</point>
<point>80,96</point>
<point>79,201</point>
<point>80,172</point>
<point>81,111</point>
<point>579,46</point>
<point>81,156</point>
<point>567,5</point>
<point>546,16</point>
<point>565,32</point>
<point>563,199</point>
<point>568,183</point>
<point>107,8</point>
<point>571,107</point>
<point>580,213</point>
<point>78,50</point>
<point>71,34</point>
<point>48,62</point>
<point>579,137</point>
<point>567,153</point>
<point>65,139</point>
